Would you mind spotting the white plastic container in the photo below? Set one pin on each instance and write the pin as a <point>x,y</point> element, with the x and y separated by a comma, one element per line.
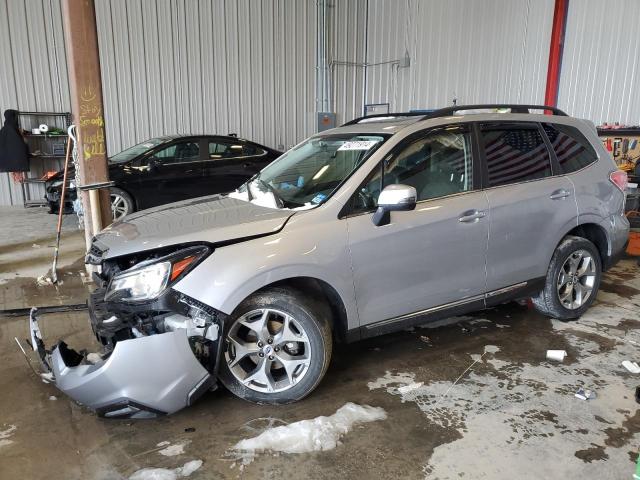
<point>557,355</point>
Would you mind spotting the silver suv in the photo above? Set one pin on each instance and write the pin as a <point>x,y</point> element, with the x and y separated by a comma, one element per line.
<point>380,224</point>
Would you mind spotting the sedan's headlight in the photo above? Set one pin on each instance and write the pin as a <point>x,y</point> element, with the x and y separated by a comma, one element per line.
<point>140,284</point>
<point>150,278</point>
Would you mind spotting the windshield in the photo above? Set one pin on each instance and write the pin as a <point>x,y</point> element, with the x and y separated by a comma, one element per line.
<point>132,152</point>
<point>309,173</point>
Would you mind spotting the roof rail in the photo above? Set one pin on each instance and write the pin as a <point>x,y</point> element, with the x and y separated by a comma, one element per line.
<point>383,116</point>
<point>444,112</point>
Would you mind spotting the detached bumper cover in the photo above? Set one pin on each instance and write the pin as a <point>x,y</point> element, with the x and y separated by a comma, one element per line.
<point>142,377</point>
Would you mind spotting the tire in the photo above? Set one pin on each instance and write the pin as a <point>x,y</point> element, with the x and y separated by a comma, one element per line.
<point>561,298</point>
<point>241,358</point>
<point>121,203</point>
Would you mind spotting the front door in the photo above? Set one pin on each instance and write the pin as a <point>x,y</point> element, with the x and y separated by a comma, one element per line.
<point>433,256</point>
<point>171,174</point>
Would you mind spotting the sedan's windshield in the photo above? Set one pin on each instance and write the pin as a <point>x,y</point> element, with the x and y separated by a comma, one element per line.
<point>132,152</point>
<point>307,174</point>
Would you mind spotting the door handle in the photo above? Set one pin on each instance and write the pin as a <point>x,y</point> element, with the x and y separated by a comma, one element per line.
<point>559,194</point>
<point>471,216</point>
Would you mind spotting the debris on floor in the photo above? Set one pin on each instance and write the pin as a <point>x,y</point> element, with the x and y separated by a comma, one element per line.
<point>557,355</point>
<point>53,397</point>
<point>426,340</point>
<point>93,357</point>
<point>167,474</point>
<point>318,434</point>
<point>583,394</point>
<point>6,434</point>
<point>632,367</point>
<point>44,281</point>
<point>47,377</point>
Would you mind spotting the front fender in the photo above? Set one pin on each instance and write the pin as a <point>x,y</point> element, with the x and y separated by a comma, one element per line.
<point>307,247</point>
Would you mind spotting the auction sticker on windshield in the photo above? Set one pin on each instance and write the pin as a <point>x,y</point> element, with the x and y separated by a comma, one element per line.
<point>358,145</point>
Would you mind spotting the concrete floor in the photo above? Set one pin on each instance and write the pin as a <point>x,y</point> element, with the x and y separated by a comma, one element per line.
<point>512,415</point>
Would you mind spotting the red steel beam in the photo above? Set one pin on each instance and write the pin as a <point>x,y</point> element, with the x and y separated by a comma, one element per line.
<point>555,51</point>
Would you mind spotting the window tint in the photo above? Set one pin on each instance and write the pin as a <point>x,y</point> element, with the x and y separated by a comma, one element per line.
<point>436,165</point>
<point>515,154</point>
<point>571,147</point>
<point>223,149</point>
<point>178,153</point>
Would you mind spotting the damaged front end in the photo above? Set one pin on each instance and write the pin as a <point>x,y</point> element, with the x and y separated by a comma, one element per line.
<point>160,347</point>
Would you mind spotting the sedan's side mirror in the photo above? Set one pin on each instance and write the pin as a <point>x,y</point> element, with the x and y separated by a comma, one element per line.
<point>394,198</point>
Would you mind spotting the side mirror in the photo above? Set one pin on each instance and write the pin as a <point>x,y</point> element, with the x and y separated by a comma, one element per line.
<point>394,198</point>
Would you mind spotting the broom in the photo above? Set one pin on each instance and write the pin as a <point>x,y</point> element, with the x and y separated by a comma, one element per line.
<point>54,273</point>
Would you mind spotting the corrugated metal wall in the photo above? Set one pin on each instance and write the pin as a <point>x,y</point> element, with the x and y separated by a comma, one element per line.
<point>178,66</point>
<point>600,77</point>
<point>33,72</point>
<point>249,66</point>
<point>476,51</point>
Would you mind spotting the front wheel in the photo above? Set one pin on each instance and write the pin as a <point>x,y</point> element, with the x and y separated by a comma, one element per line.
<point>572,280</point>
<point>277,347</point>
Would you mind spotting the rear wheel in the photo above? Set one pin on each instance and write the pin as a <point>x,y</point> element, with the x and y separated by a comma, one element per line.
<point>277,347</point>
<point>121,203</point>
<point>572,280</point>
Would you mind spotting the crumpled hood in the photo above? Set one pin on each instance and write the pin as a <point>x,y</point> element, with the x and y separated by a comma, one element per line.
<point>211,219</point>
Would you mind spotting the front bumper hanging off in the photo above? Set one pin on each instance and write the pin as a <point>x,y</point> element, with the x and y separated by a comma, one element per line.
<point>142,377</point>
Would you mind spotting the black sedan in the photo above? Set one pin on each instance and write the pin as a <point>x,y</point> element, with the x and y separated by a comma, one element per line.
<point>169,169</point>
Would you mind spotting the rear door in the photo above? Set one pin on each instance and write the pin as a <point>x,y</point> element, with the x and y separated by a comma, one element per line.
<point>230,163</point>
<point>530,204</point>
<point>433,256</point>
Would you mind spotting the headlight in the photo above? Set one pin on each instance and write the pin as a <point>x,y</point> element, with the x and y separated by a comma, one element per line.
<point>150,278</point>
<point>140,284</point>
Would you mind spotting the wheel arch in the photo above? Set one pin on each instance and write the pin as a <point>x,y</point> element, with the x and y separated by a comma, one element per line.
<point>321,290</point>
<point>597,235</point>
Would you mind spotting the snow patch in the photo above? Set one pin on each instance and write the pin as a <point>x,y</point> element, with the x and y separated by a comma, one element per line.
<point>166,473</point>
<point>6,434</point>
<point>172,450</point>
<point>318,434</point>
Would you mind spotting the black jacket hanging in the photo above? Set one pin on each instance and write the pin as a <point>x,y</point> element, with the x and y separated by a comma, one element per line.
<point>14,152</point>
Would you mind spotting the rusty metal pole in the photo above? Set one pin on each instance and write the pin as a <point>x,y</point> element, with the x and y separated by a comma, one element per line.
<point>81,38</point>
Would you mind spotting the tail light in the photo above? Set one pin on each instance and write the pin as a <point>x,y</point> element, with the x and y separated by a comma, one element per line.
<point>619,178</point>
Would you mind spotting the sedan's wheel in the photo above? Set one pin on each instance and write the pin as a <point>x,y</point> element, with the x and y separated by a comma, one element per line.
<point>121,203</point>
<point>572,280</point>
<point>277,348</point>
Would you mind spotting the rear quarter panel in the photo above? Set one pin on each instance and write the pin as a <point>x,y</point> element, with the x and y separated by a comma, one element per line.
<point>599,200</point>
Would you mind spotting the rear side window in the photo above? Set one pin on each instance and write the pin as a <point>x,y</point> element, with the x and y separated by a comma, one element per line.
<point>572,149</point>
<point>515,154</point>
<point>221,149</point>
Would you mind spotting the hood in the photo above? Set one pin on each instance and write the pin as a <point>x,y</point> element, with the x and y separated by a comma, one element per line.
<point>213,219</point>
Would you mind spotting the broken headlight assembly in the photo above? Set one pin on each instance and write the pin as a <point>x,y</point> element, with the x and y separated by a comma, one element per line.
<point>148,279</point>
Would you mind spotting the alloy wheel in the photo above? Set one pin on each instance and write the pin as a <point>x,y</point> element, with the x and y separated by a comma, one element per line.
<point>119,207</point>
<point>576,279</point>
<point>268,351</point>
